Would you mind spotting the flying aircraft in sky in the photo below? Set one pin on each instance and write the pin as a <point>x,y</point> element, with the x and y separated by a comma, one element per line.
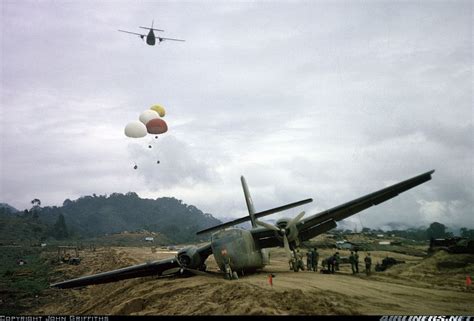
<point>238,251</point>
<point>150,37</point>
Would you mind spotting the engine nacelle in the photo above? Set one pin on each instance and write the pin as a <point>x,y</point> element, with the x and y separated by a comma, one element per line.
<point>292,232</point>
<point>190,258</point>
<point>282,222</point>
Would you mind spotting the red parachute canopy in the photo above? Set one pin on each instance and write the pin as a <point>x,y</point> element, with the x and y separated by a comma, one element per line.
<point>156,126</point>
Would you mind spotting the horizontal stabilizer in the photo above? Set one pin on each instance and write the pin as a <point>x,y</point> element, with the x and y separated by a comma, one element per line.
<point>148,28</point>
<point>256,215</point>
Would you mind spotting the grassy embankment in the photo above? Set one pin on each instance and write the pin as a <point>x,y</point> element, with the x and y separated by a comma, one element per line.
<point>21,285</point>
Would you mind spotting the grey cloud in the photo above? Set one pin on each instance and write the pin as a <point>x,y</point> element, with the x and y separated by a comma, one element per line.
<point>306,99</point>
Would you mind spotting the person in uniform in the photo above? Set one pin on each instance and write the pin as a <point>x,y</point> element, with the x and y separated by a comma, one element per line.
<point>352,262</point>
<point>299,260</point>
<point>315,259</point>
<point>356,258</point>
<point>368,264</point>
<point>227,268</point>
<point>337,259</point>
<point>309,260</point>
<point>331,264</point>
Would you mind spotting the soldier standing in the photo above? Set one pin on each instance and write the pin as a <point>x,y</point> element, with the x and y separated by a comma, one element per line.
<point>352,261</point>
<point>337,259</point>
<point>368,264</point>
<point>309,260</point>
<point>227,268</point>
<point>356,260</point>
<point>331,264</point>
<point>315,259</point>
<point>299,258</point>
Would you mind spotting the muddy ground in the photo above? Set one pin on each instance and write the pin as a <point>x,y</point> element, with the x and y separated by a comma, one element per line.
<point>434,285</point>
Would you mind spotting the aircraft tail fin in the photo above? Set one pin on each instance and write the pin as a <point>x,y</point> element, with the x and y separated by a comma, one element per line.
<point>252,214</point>
<point>248,200</point>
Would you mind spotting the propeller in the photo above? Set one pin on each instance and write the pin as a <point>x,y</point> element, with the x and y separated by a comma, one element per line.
<point>283,230</point>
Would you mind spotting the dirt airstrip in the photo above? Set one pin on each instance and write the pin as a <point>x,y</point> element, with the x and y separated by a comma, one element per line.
<point>420,286</point>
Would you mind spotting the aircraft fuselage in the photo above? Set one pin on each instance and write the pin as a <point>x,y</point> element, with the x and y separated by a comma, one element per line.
<point>239,246</point>
<point>150,38</point>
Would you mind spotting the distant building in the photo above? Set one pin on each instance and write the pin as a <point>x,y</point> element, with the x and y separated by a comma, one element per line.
<point>149,239</point>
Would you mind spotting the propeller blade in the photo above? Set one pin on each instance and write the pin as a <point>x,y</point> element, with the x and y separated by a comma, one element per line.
<point>171,271</point>
<point>287,246</point>
<point>197,272</point>
<point>295,220</point>
<point>267,225</point>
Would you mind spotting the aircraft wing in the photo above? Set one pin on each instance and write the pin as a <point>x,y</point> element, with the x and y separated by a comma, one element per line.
<point>163,38</point>
<point>189,259</point>
<point>326,220</point>
<point>133,33</point>
<point>146,269</point>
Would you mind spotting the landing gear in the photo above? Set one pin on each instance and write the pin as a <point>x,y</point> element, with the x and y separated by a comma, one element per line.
<point>229,274</point>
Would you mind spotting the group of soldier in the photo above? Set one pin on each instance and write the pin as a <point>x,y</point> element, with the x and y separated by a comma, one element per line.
<point>312,258</point>
<point>354,261</point>
<point>331,264</point>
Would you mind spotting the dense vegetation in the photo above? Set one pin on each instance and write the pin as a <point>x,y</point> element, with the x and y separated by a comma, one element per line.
<point>95,216</point>
<point>92,216</point>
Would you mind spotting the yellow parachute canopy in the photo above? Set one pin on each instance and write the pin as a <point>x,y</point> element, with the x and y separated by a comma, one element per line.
<point>159,109</point>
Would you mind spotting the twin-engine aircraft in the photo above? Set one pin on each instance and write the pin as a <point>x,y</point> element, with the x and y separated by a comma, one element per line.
<point>150,37</point>
<point>238,251</point>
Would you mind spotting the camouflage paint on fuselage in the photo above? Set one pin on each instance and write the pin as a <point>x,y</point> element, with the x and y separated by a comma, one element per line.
<point>238,245</point>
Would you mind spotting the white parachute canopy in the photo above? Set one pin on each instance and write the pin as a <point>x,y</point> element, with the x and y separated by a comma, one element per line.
<point>148,115</point>
<point>135,129</point>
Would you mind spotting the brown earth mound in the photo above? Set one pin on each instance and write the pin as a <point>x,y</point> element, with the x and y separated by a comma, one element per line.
<point>395,291</point>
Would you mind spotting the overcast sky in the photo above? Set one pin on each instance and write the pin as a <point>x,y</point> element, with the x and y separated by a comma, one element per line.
<point>329,100</point>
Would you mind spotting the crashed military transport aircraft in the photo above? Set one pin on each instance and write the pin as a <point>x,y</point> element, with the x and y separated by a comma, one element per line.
<point>239,251</point>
